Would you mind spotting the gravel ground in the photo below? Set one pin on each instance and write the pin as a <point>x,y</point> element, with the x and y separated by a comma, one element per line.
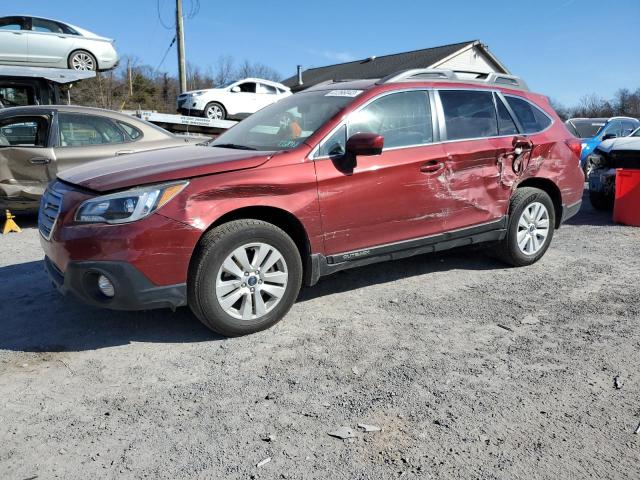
<point>471,370</point>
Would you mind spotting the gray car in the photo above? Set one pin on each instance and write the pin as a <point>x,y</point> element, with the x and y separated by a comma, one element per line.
<point>37,142</point>
<point>43,42</point>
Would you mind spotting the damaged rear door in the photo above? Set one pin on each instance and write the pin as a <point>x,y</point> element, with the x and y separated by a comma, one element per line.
<point>26,156</point>
<point>477,143</point>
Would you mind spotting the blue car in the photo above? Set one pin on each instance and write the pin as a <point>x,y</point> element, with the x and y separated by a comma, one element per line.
<point>592,131</point>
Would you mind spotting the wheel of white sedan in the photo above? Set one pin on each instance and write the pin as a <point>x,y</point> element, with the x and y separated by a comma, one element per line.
<point>82,60</point>
<point>245,276</point>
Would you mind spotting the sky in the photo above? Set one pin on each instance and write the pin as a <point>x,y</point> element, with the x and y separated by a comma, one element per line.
<point>564,48</point>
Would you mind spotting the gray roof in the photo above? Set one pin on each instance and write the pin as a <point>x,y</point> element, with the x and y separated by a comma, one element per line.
<point>382,66</point>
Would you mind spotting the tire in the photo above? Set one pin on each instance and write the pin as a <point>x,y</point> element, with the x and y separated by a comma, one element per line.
<point>214,111</point>
<point>601,201</point>
<point>83,61</point>
<point>509,250</point>
<point>210,281</point>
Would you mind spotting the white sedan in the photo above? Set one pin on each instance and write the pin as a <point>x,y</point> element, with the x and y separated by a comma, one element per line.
<point>236,100</point>
<point>33,41</point>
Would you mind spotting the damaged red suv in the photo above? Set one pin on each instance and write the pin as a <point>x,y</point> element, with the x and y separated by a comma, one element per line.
<point>340,175</point>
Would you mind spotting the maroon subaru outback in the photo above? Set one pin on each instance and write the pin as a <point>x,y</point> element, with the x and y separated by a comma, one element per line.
<point>338,176</point>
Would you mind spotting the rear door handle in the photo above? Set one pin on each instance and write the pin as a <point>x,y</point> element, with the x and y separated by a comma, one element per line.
<point>124,152</point>
<point>39,160</point>
<point>431,166</point>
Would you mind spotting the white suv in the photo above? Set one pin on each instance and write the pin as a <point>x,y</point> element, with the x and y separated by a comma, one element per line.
<point>235,100</point>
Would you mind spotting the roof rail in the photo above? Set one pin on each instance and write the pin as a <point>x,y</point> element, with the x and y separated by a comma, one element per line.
<point>431,74</point>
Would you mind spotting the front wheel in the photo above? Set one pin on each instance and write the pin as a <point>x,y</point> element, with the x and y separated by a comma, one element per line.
<point>530,229</point>
<point>244,277</point>
<point>215,111</point>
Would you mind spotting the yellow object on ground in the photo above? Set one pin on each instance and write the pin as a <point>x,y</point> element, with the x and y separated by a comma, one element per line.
<point>10,225</point>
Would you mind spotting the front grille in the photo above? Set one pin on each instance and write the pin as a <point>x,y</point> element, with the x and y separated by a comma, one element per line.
<point>49,211</point>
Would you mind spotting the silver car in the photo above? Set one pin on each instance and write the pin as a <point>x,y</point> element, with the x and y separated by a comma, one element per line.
<point>42,42</point>
<point>37,142</point>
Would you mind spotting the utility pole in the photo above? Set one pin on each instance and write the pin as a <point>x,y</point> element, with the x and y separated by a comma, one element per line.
<point>182,70</point>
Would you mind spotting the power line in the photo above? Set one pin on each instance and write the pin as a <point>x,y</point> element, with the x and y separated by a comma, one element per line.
<point>168,27</point>
<point>165,54</point>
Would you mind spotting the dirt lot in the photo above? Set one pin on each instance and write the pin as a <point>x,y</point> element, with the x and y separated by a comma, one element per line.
<point>471,369</point>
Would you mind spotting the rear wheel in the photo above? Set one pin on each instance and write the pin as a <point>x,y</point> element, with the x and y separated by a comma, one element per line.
<point>215,111</point>
<point>245,276</point>
<point>530,229</point>
<point>82,60</point>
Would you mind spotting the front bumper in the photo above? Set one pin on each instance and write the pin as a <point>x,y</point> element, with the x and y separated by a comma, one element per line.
<point>133,291</point>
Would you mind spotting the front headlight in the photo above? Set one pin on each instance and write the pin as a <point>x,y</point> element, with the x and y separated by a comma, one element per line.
<point>128,206</point>
<point>196,94</point>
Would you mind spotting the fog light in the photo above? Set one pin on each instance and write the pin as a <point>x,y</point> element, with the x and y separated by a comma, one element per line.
<point>106,287</point>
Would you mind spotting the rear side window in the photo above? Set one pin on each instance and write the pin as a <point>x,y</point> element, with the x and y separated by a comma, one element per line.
<point>506,125</point>
<point>130,130</point>
<point>78,130</point>
<point>403,119</point>
<point>469,114</point>
<point>530,117</point>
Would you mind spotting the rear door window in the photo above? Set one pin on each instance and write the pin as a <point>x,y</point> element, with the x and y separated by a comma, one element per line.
<point>506,125</point>
<point>403,119</point>
<point>79,130</point>
<point>469,114</point>
<point>531,118</point>
<point>264,88</point>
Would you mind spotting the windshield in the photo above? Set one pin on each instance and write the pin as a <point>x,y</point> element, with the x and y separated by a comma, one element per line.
<point>285,124</point>
<point>636,133</point>
<point>587,128</point>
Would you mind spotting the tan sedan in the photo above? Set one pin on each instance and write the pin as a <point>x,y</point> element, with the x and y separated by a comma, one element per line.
<point>39,141</point>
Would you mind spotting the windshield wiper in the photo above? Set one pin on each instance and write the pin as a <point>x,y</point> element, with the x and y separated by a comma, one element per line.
<point>233,145</point>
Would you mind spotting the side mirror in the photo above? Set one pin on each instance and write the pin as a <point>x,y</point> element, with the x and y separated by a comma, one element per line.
<point>365,144</point>
<point>235,89</point>
<point>609,136</point>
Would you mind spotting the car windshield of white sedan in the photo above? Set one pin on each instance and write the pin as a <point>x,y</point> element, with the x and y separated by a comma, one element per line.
<point>287,123</point>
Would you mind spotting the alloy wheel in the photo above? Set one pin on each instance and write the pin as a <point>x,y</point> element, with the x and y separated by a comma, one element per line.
<point>214,112</point>
<point>82,61</point>
<point>251,281</point>
<point>533,228</point>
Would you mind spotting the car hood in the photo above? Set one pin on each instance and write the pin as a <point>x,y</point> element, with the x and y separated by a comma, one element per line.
<point>157,166</point>
<point>624,143</point>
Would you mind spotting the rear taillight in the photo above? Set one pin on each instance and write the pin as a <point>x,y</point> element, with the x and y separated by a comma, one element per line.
<point>575,146</point>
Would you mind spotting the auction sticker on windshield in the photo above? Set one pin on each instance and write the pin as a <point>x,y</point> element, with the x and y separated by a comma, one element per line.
<point>343,93</point>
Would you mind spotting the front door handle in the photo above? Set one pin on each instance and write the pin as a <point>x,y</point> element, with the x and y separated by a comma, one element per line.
<point>431,166</point>
<point>124,152</point>
<point>39,160</point>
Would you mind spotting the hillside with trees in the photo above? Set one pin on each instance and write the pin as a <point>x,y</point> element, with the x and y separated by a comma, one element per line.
<point>133,85</point>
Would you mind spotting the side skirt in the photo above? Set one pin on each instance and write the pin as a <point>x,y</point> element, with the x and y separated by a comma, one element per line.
<point>488,232</point>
